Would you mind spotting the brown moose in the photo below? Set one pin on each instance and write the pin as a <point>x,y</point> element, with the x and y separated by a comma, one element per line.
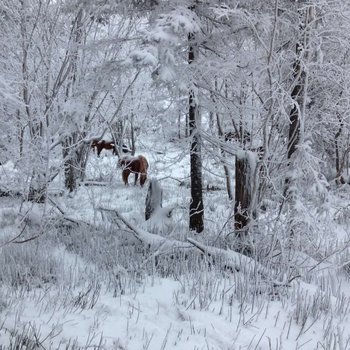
<point>135,165</point>
<point>107,145</point>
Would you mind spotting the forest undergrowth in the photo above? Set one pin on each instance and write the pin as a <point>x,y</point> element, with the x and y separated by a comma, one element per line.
<point>71,263</point>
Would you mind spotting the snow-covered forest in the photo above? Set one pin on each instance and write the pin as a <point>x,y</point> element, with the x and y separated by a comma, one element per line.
<point>174,174</point>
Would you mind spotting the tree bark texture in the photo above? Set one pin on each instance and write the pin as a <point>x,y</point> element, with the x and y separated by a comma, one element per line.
<point>298,91</point>
<point>70,166</point>
<point>242,195</point>
<point>226,169</point>
<point>294,127</point>
<point>196,206</point>
<point>338,163</point>
<point>154,198</point>
<point>71,153</point>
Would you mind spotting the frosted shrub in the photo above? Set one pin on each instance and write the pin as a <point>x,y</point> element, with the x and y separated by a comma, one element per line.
<point>7,217</point>
<point>28,265</point>
<point>117,260</point>
<point>342,215</point>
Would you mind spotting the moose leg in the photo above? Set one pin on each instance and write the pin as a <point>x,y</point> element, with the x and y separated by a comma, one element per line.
<point>99,150</point>
<point>136,177</point>
<point>143,179</point>
<point>125,174</point>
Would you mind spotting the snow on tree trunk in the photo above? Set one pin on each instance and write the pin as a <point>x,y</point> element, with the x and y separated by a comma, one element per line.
<point>70,177</point>
<point>244,167</point>
<point>38,188</point>
<point>154,198</point>
<point>338,163</point>
<point>226,169</point>
<point>299,91</point>
<point>196,206</point>
<point>70,165</point>
<point>132,132</point>
<point>75,158</point>
<point>294,127</point>
<point>70,143</point>
<point>38,184</point>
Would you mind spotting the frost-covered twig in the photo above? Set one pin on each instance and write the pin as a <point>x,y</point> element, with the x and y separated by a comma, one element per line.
<point>64,215</point>
<point>231,260</point>
<point>153,241</point>
<point>58,207</point>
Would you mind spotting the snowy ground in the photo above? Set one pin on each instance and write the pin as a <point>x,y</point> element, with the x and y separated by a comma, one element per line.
<point>91,286</point>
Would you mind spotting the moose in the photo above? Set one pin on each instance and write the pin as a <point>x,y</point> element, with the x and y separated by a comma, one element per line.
<point>107,145</point>
<point>134,165</point>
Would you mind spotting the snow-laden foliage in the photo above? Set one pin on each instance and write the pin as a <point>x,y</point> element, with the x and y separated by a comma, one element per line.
<point>80,267</point>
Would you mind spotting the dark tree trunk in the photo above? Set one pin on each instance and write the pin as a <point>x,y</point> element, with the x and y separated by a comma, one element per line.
<point>196,206</point>
<point>82,159</point>
<point>21,138</point>
<point>75,155</point>
<point>294,127</point>
<point>226,170</point>
<point>242,195</point>
<point>70,145</point>
<point>299,75</point>
<point>132,134</point>
<point>243,180</point>
<point>338,164</point>
<point>38,184</point>
<point>294,117</point>
<point>298,96</point>
<point>20,133</point>
<point>70,181</point>
<point>70,164</point>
